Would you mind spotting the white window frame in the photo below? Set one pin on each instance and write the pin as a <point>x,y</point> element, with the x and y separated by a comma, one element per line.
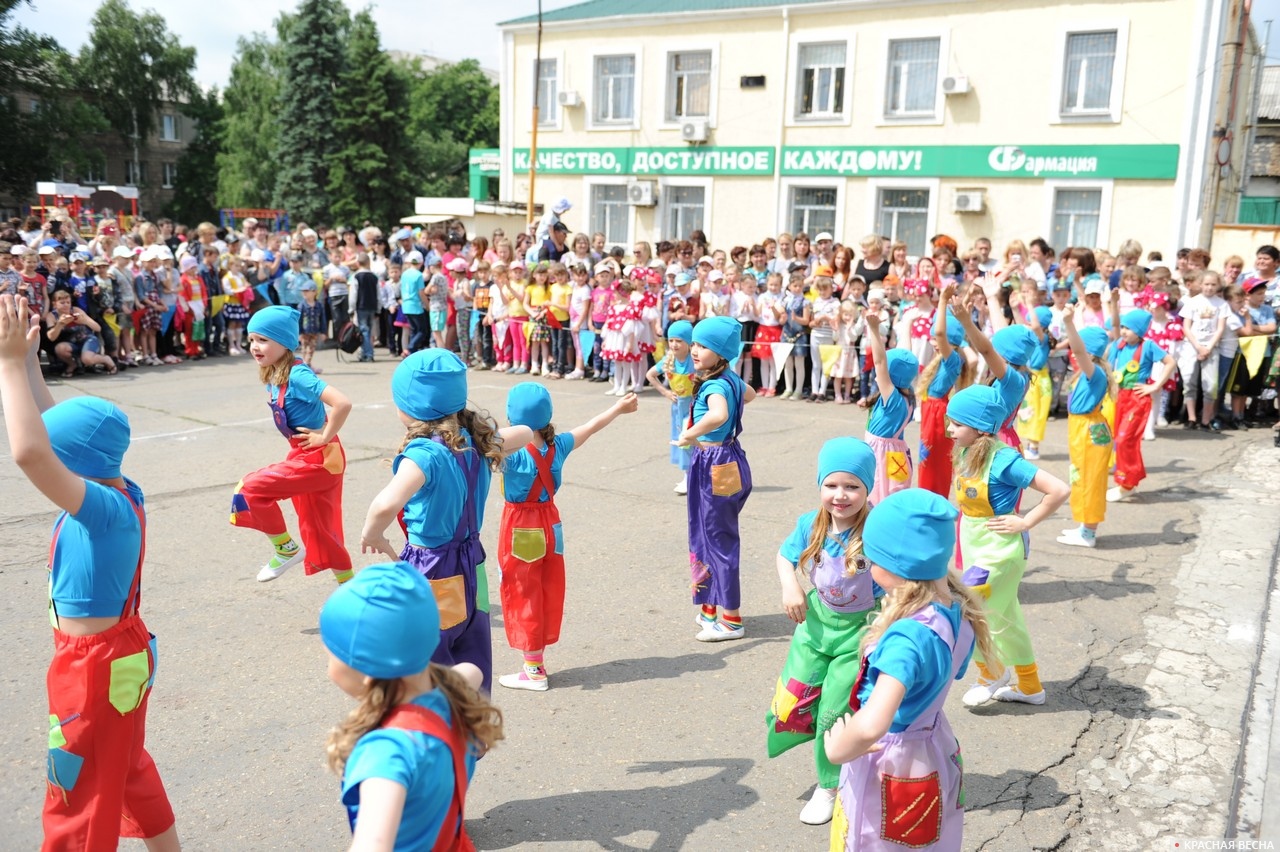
<point>596,180</point>
<point>884,119</point>
<point>1112,114</point>
<point>784,199</point>
<point>96,171</point>
<point>558,123</point>
<point>848,35</point>
<point>637,91</point>
<point>1107,187</point>
<point>174,118</point>
<point>934,185</point>
<point>132,179</point>
<point>664,211</point>
<point>691,47</point>
<point>168,175</point>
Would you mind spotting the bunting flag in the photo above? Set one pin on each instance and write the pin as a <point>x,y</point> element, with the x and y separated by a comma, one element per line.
<point>830,353</point>
<point>166,319</point>
<point>215,305</point>
<point>587,340</point>
<point>659,350</point>
<point>112,322</point>
<point>499,334</point>
<point>1255,352</point>
<point>781,352</point>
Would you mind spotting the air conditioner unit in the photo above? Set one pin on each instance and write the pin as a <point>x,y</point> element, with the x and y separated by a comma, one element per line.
<point>694,130</point>
<point>640,193</point>
<point>955,85</point>
<point>968,201</point>
<point>569,98</point>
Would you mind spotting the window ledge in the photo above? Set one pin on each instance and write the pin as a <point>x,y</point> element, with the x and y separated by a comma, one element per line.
<point>930,119</point>
<point>1105,117</point>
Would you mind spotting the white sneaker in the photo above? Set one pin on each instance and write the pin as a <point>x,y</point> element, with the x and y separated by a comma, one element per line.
<point>718,632</point>
<point>1031,454</point>
<point>575,375</point>
<point>278,566</point>
<point>682,487</point>
<point>1012,693</point>
<point>1075,539</point>
<point>820,807</point>
<point>980,693</point>
<point>1162,421</point>
<point>521,680</point>
<point>1149,435</point>
<point>1116,494</point>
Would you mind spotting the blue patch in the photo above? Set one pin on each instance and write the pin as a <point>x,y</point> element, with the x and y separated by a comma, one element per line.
<point>558,531</point>
<point>238,503</point>
<point>64,768</point>
<point>155,660</point>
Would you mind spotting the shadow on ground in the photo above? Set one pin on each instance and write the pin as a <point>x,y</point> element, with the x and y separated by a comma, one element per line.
<point>1016,789</point>
<point>1056,591</point>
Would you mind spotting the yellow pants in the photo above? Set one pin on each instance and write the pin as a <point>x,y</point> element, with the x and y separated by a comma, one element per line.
<point>1089,439</point>
<point>1034,413</point>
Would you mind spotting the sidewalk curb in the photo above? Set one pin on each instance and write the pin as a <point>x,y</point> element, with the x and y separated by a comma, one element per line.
<point>1251,815</point>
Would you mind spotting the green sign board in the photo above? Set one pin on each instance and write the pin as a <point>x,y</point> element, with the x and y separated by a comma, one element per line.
<point>689,160</point>
<point>485,161</point>
<point>1132,162</point>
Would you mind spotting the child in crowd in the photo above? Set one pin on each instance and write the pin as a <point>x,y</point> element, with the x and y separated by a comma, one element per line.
<point>771,307</point>
<point>822,334</point>
<point>1229,352</point>
<point>407,752</point>
<point>126,303</point>
<point>497,317</point>
<point>1204,318</point>
<point>460,292</point>
<point>901,785</point>
<point>743,308</point>
<point>678,370</point>
<point>311,328</point>
<point>531,538</point>
<point>389,310</point>
<point>191,301</point>
<point>719,478</point>
<point>1131,359</point>
<point>1165,331</point>
<point>814,689</point>
<point>102,783</point>
<point>795,331</point>
<point>481,331</point>
<point>949,370</point>
<point>915,327</point>
<point>579,317</point>
<point>559,295</point>
<point>235,311</point>
<point>602,298</point>
<point>311,474</point>
<point>517,319</point>
<point>147,286</point>
<point>1088,436</point>
<point>993,539</point>
<point>437,290</point>
<point>619,345</point>
<point>537,298</point>
<point>879,305</point>
<point>73,334</point>
<point>1259,320</point>
<point>892,409</point>
<point>1133,286</point>
<point>845,368</point>
<point>1033,413</point>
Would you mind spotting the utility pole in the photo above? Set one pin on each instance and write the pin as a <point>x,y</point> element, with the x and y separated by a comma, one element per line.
<point>1223,110</point>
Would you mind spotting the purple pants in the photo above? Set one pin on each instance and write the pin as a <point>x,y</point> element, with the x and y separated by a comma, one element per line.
<point>719,485</point>
<point>457,576</point>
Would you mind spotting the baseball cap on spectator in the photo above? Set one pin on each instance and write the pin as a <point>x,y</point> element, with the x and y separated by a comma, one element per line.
<point>21,249</point>
<point>502,264</point>
<point>1062,284</point>
<point>517,264</point>
<point>231,237</point>
<point>853,278</point>
<point>562,205</point>
<point>457,265</point>
<point>603,266</point>
<point>1096,287</point>
<point>823,269</point>
<point>684,278</point>
<point>121,251</point>
<point>1252,284</point>
<point>798,266</point>
<point>560,226</point>
<point>403,234</point>
<point>716,275</point>
<point>825,235</point>
<point>149,253</point>
<point>298,256</point>
<point>102,260</point>
<point>307,285</point>
<point>188,262</point>
<point>705,259</point>
<point>257,255</point>
<point>79,257</point>
<point>163,253</point>
<point>413,257</point>
<point>674,269</point>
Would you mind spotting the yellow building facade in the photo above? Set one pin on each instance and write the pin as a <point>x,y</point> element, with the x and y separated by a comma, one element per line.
<point>1086,123</point>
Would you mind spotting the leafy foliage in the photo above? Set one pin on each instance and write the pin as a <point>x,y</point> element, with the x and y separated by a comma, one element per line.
<point>246,162</point>
<point>453,108</point>
<point>197,182</point>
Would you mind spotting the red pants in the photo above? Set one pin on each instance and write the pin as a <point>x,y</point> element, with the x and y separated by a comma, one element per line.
<point>934,471</point>
<point>103,785</point>
<point>1132,412</point>
<point>312,478</point>
<point>187,327</point>
<point>531,556</point>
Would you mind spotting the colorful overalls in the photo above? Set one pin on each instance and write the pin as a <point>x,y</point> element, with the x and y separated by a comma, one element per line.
<point>681,384</point>
<point>719,485</point>
<point>1133,409</point>
<point>1089,443</point>
<point>934,473</point>
<point>893,459</point>
<point>312,478</point>
<point>457,575</point>
<point>103,785</point>
<point>910,794</point>
<point>531,555</point>
<point>1033,415</point>
<point>816,684</point>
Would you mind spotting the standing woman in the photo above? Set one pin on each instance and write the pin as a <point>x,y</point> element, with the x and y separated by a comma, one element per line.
<point>641,254</point>
<point>804,252</point>
<point>719,478</point>
<point>874,267</point>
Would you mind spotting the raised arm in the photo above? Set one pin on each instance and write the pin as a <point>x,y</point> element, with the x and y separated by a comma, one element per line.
<point>879,358</point>
<point>940,341</point>
<point>979,341</point>
<point>1114,309</point>
<point>1083,358</point>
<point>626,405</point>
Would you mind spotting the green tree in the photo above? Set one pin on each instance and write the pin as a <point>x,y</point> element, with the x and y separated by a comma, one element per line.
<point>131,66</point>
<point>195,188</point>
<point>246,163</point>
<point>452,108</point>
<point>311,62</point>
<point>370,176</point>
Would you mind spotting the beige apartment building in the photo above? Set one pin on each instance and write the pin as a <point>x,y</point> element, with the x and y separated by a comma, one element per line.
<point>1082,122</point>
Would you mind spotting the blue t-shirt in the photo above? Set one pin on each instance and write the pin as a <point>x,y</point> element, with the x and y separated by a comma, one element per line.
<point>1264,314</point>
<point>1040,354</point>
<point>1012,388</point>
<point>946,377</point>
<point>302,405</point>
<point>918,658</point>
<point>431,514</point>
<point>422,764</point>
<point>888,416</point>
<point>411,284</point>
<point>1011,474</point>
<point>290,286</point>
<point>97,553</point>
<point>726,385</point>
<point>519,471</point>
<point>1147,353</point>
<point>835,545</point>
<point>1087,394</point>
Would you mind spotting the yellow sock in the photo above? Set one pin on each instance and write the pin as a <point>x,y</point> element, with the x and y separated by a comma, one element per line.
<point>1028,679</point>
<point>343,576</point>
<point>984,673</point>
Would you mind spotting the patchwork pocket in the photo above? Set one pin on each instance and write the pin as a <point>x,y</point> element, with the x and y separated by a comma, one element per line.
<point>1099,434</point>
<point>726,479</point>
<point>897,465</point>
<point>978,579</point>
<point>558,531</point>
<point>911,812</point>
<point>63,768</point>
<point>451,599</point>
<point>528,545</point>
<point>334,462</point>
<point>130,677</point>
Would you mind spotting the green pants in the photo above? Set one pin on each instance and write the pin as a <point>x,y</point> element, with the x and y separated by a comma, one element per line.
<point>816,684</point>
<point>1003,558</point>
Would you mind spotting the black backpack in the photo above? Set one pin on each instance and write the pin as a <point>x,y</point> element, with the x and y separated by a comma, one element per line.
<point>350,338</point>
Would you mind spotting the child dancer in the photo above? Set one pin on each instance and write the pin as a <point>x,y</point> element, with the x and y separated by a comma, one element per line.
<point>1088,436</point>
<point>845,369</point>
<point>530,538</point>
<point>814,688</point>
<point>719,477</point>
<point>677,367</point>
<point>1131,360</point>
<point>947,371</point>
<point>993,539</point>
<point>439,484</point>
<point>1033,415</point>
<point>311,474</point>
<point>406,753</point>
<point>101,778</point>
<point>1006,354</point>
<point>892,410</point>
<point>901,786</point>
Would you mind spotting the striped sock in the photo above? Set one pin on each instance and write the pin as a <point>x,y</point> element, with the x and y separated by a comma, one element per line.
<point>733,621</point>
<point>533,667</point>
<point>284,544</point>
<point>709,613</point>
<point>1028,679</point>
<point>343,576</point>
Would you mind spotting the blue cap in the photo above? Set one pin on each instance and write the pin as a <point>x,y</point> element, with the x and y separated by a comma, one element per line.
<point>955,331</point>
<point>308,285</point>
<point>1137,321</point>
<point>912,534</point>
<point>384,622</point>
<point>403,234</point>
<point>684,278</point>
<point>722,335</point>
<point>1044,316</point>
<point>277,323</point>
<point>903,367</point>
<point>430,384</point>
<point>89,435</point>
<point>978,406</point>
<point>682,329</point>
<point>1015,343</point>
<point>847,455</point>
<point>529,404</point>
<point>1095,340</point>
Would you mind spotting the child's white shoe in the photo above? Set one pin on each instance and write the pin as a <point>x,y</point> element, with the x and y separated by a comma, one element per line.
<point>1075,538</point>
<point>279,565</point>
<point>1031,453</point>
<point>1012,693</point>
<point>521,680</point>
<point>980,693</point>
<point>1116,494</point>
<point>682,487</point>
<point>820,807</point>
<point>721,632</point>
